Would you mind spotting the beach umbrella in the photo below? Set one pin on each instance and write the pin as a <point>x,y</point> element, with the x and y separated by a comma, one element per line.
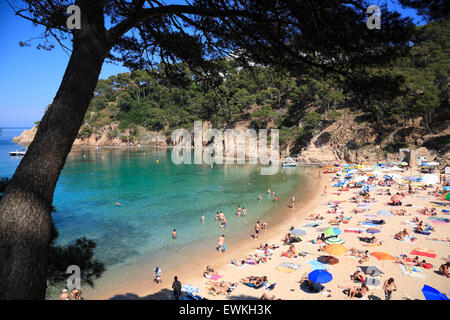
<point>297,232</point>
<point>332,232</point>
<point>320,276</point>
<point>334,240</point>
<point>384,213</point>
<point>431,293</point>
<point>446,196</point>
<point>373,230</point>
<point>328,260</point>
<point>430,179</point>
<point>189,289</point>
<point>382,256</point>
<point>372,271</point>
<point>336,249</point>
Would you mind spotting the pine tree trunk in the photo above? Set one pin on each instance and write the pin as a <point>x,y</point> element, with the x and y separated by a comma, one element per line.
<point>25,217</point>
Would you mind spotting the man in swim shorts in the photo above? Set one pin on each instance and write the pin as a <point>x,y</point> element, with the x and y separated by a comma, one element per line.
<point>174,234</point>
<point>176,286</point>
<point>257,227</point>
<point>221,240</point>
<point>388,287</point>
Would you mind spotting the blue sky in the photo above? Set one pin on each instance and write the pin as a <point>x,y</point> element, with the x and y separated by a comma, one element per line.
<point>29,78</point>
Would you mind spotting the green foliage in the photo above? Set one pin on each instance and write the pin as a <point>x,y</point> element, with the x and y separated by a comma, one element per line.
<point>173,96</point>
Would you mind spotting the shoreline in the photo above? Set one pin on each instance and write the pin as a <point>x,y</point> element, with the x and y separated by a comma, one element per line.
<point>143,287</point>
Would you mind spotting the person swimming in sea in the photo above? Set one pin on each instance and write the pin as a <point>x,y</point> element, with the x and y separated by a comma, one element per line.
<point>118,204</point>
<point>224,222</point>
<point>239,211</point>
<point>174,234</point>
<point>243,211</point>
<point>259,197</point>
<point>203,218</point>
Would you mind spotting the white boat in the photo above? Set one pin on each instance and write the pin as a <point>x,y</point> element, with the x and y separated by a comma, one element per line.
<point>17,153</point>
<point>289,162</point>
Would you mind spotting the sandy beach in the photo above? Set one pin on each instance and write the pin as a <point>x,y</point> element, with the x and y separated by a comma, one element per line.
<point>317,201</point>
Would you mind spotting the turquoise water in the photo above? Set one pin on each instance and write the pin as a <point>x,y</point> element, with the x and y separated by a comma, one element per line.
<point>157,196</point>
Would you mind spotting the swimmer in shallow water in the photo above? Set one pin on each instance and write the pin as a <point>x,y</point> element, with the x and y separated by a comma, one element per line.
<point>174,234</point>
<point>118,204</point>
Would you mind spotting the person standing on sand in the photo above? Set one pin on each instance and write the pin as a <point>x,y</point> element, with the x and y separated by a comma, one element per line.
<point>293,202</point>
<point>176,286</point>
<point>221,241</point>
<point>388,287</point>
<point>257,228</point>
<point>158,274</point>
<point>64,295</point>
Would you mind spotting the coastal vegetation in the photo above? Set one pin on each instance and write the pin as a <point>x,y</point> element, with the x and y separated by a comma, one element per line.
<point>265,97</point>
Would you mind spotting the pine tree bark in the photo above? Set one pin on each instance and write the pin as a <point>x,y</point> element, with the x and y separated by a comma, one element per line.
<point>25,217</point>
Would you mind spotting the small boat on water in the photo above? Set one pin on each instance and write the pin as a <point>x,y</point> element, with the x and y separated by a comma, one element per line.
<point>289,162</point>
<point>17,153</point>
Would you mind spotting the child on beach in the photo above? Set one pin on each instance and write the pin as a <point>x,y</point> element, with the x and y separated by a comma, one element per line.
<point>157,274</point>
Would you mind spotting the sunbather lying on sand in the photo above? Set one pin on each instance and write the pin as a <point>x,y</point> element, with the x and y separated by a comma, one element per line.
<point>222,287</point>
<point>371,240</point>
<point>266,296</point>
<point>403,259</point>
<point>291,253</point>
<point>444,269</point>
<point>255,280</point>
<point>358,275</point>
<point>355,291</point>
<point>210,271</point>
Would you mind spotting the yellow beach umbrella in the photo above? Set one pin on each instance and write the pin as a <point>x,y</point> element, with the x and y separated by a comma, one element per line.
<point>336,249</point>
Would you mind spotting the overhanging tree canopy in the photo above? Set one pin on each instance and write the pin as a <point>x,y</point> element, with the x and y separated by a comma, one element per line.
<point>326,37</point>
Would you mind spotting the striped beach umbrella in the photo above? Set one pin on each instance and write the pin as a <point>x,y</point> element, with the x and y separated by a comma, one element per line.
<point>189,289</point>
<point>334,240</point>
<point>446,196</point>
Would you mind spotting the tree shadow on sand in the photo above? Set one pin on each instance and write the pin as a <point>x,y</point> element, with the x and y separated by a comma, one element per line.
<point>163,294</point>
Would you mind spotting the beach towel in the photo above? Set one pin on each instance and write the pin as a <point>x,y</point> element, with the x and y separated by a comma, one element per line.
<point>314,264</point>
<point>438,240</point>
<point>355,230</point>
<point>287,267</point>
<point>423,254</point>
<point>370,224</point>
<point>215,277</point>
<point>412,271</point>
<point>371,244</point>
<point>372,282</point>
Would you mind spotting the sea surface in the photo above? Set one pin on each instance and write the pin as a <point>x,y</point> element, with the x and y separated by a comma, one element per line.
<point>157,196</point>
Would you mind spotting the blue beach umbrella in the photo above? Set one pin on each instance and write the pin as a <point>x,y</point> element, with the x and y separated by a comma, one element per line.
<point>332,232</point>
<point>297,232</point>
<point>320,276</point>
<point>189,289</point>
<point>432,294</point>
